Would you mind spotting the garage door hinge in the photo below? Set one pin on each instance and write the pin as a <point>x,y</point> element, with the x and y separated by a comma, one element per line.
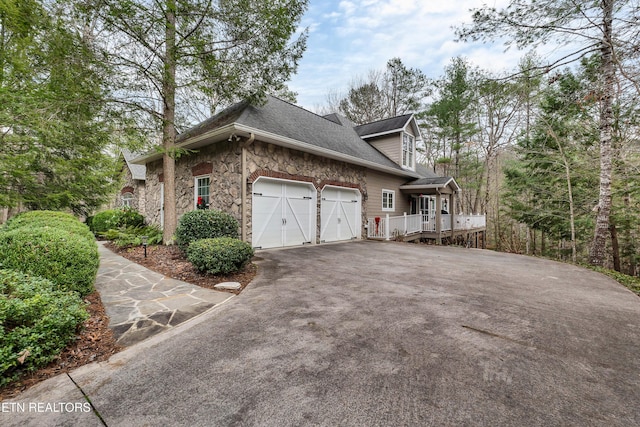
<point>257,194</point>
<point>306,243</point>
<point>257,247</point>
<point>307,197</point>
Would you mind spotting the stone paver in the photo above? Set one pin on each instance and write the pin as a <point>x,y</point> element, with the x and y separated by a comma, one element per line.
<point>141,303</point>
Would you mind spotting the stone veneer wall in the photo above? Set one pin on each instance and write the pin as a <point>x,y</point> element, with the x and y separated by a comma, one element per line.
<point>263,159</point>
<point>222,159</point>
<point>131,185</point>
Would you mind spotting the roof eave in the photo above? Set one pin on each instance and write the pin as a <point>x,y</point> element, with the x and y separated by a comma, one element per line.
<point>323,152</point>
<point>224,132</point>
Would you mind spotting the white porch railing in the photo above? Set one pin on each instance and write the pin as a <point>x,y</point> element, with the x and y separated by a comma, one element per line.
<point>387,227</point>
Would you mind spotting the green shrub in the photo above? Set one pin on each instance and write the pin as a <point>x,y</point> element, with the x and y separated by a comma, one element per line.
<point>205,224</point>
<point>55,219</point>
<point>221,255</point>
<point>132,236</point>
<point>116,218</point>
<point>36,322</point>
<point>67,259</point>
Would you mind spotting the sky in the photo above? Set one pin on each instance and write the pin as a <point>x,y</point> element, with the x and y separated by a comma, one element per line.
<point>348,38</point>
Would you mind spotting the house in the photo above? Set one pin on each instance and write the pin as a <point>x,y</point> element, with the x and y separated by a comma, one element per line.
<point>292,177</point>
<point>132,192</point>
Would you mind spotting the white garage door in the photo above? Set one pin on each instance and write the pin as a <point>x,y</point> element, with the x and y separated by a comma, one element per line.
<point>340,214</point>
<point>283,213</point>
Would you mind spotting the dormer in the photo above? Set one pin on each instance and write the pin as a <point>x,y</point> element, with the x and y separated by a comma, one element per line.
<point>396,138</point>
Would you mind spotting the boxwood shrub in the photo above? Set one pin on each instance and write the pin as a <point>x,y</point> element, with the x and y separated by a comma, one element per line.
<point>205,224</point>
<point>221,255</point>
<point>67,259</point>
<point>116,218</point>
<point>37,321</point>
<point>55,219</point>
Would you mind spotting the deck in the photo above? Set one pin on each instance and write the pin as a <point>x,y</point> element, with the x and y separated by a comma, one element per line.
<point>413,227</point>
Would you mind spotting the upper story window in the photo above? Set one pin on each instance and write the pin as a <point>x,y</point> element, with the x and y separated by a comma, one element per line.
<point>388,200</point>
<point>408,150</point>
<point>201,192</point>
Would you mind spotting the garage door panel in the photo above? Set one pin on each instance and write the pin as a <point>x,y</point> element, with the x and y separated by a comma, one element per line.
<point>340,214</point>
<point>298,221</point>
<point>283,214</point>
<point>268,229</point>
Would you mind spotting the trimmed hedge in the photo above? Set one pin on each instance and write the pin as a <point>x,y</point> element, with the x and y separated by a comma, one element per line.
<point>67,259</point>
<point>36,322</point>
<point>49,219</point>
<point>221,255</point>
<point>115,218</point>
<point>205,224</point>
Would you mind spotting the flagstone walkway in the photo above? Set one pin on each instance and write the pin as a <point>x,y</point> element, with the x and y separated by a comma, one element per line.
<point>141,303</point>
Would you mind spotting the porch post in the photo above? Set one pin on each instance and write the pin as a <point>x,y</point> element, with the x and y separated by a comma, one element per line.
<point>452,207</point>
<point>386,227</point>
<point>438,219</point>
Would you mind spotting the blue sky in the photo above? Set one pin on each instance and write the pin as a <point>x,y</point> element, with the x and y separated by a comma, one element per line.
<point>348,38</point>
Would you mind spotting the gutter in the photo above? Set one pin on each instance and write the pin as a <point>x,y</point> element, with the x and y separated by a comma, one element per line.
<point>224,132</point>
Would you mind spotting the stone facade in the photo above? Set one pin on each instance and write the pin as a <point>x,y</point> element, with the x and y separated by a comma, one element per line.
<point>223,160</point>
<point>135,187</point>
<point>264,159</point>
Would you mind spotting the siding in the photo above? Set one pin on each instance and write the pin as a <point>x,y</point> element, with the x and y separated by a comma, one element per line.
<point>376,182</point>
<point>390,146</point>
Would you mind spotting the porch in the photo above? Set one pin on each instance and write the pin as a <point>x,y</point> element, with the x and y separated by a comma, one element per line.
<point>419,226</point>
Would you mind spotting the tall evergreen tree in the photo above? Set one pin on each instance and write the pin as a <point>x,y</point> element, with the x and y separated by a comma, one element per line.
<point>54,125</point>
<point>171,52</point>
<point>605,27</point>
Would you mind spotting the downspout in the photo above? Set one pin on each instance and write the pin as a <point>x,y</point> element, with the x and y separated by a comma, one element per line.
<point>243,185</point>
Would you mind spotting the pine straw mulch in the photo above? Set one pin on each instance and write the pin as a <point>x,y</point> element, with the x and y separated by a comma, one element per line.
<point>95,342</point>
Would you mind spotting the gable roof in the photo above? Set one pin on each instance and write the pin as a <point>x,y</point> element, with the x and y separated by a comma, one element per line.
<point>288,125</point>
<point>138,172</point>
<point>383,127</point>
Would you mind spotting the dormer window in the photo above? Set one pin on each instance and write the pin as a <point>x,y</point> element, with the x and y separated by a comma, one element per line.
<point>408,150</point>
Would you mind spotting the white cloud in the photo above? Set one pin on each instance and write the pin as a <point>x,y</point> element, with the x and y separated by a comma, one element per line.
<point>349,38</point>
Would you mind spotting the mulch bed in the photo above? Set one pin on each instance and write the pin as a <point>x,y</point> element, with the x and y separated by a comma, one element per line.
<point>95,343</point>
<point>170,261</point>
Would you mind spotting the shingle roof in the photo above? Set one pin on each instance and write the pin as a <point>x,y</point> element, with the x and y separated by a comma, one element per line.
<point>290,121</point>
<point>383,126</point>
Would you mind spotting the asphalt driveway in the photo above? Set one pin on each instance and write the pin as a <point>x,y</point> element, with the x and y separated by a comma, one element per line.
<point>388,334</point>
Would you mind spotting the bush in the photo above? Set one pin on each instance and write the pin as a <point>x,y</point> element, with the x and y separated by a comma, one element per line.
<point>67,259</point>
<point>132,236</point>
<point>221,255</point>
<point>55,219</point>
<point>116,218</point>
<point>205,224</point>
<point>36,322</point>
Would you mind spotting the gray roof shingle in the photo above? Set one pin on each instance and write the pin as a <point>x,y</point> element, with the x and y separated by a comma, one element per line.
<point>383,126</point>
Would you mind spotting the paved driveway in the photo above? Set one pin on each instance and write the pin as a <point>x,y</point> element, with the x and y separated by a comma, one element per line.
<point>367,333</point>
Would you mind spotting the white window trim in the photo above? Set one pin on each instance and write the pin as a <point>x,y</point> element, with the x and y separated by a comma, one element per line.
<point>195,189</point>
<point>393,200</point>
<point>412,159</point>
<point>127,199</point>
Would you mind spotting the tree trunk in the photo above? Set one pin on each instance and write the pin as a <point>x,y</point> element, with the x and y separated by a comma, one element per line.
<point>597,255</point>
<point>168,124</point>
